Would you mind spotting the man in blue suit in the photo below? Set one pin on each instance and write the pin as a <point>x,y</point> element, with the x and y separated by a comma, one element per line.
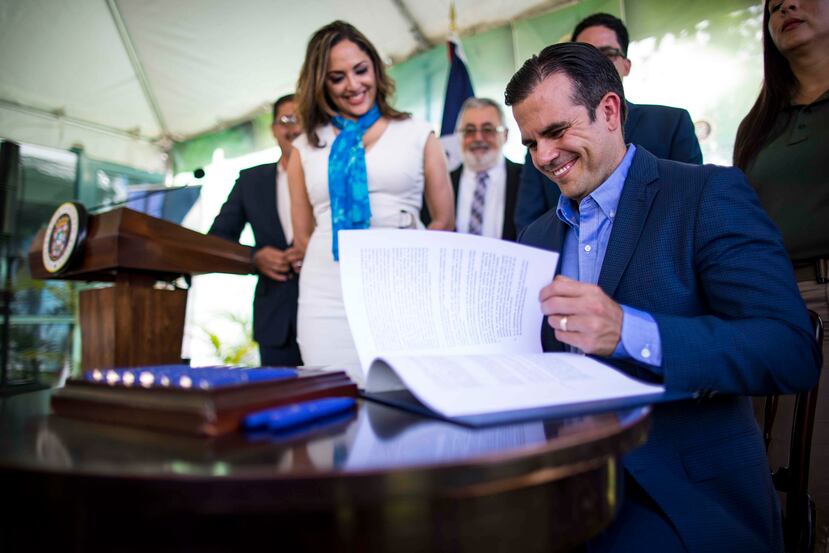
<point>666,132</point>
<point>673,273</point>
<point>260,197</point>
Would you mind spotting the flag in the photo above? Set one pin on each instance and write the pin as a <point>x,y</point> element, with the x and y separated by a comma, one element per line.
<point>458,89</point>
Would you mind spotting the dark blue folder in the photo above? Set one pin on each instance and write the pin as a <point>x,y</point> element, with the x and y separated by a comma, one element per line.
<point>404,399</point>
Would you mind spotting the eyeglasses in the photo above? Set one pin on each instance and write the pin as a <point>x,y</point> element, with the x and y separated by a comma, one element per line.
<point>487,131</point>
<point>286,120</point>
<point>611,52</point>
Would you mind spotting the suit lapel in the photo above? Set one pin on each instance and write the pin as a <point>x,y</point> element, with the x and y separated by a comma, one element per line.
<point>513,179</point>
<point>550,238</point>
<point>557,236</point>
<point>634,205</point>
<point>456,180</point>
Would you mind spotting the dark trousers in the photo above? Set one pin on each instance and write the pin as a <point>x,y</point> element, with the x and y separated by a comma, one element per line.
<point>280,356</point>
<point>639,526</point>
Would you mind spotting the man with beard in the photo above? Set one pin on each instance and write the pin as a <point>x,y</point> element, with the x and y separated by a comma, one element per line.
<point>486,184</point>
<point>260,197</point>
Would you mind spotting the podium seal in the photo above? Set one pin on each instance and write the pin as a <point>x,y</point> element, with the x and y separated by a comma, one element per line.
<point>64,238</point>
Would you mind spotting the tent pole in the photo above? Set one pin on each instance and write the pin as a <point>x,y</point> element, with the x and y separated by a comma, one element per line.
<point>136,65</point>
<point>414,27</point>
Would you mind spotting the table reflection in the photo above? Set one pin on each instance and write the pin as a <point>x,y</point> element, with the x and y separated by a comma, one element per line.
<point>386,438</point>
<point>372,437</point>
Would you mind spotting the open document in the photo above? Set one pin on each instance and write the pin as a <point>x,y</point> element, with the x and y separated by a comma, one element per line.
<point>454,320</point>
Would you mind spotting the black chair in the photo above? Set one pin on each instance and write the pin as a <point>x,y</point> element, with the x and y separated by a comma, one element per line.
<point>793,479</point>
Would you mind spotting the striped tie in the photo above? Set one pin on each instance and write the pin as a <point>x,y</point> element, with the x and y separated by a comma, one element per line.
<point>476,216</point>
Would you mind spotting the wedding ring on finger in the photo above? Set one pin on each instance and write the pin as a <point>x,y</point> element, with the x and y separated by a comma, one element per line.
<point>562,324</point>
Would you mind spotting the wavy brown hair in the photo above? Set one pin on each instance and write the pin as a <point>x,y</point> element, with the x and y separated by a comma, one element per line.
<point>779,85</point>
<point>315,105</point>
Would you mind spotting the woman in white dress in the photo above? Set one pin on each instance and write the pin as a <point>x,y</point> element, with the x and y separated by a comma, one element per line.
<point>358,164</point>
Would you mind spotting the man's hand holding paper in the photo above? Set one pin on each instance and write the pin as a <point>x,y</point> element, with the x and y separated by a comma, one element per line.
<point>582,315</point>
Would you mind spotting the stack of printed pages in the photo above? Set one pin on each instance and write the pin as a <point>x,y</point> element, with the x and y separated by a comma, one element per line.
<point>449,324</point>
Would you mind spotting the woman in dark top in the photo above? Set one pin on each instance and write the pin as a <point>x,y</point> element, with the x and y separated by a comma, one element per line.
<point>782,142</point>
<point>783,147</point>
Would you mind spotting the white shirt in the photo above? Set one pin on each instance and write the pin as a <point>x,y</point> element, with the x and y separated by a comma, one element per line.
<point>494,202</point>
<point>283,203</point>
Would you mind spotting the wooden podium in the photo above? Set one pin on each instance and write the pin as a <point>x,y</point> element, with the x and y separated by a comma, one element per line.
<point>134,322</point>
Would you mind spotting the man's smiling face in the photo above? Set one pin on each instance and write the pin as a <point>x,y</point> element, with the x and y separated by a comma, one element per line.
<point>571,150</point>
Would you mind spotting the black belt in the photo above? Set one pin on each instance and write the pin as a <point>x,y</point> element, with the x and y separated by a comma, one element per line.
<point>814,271</point>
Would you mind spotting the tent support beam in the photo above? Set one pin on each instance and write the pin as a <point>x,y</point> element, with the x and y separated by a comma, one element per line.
<point>423,43</point>
<point>58,116</point>
<point>136,65</point>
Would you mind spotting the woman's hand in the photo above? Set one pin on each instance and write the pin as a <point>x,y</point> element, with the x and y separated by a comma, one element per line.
<point>295,257</point>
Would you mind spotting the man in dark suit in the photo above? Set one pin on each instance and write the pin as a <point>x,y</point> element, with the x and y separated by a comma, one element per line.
<point>486,184</point>
<point>673,273</point>
<point>666,132</point>
<point>260,197</point>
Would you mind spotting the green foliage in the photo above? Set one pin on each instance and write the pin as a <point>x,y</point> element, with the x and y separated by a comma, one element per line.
<point>243,352</point>
<point>45,344</point>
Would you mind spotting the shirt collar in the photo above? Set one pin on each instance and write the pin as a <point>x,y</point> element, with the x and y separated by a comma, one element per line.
<point>822,98</point>
<point>606,195</point>
<point>495,172</point>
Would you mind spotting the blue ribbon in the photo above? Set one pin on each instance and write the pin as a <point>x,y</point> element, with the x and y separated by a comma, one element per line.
<point>347,176</point>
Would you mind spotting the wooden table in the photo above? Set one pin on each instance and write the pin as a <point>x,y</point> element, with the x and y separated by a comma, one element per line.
<point>375,480</point>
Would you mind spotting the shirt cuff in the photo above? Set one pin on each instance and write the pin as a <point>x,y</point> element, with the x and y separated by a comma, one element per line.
<point>640,339</point>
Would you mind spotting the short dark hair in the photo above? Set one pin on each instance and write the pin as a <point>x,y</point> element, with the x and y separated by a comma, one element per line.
<point>605,20</point>
<point>593,75</point>
<point>279,101</point>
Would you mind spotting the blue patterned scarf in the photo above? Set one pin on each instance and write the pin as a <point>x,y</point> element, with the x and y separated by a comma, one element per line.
<point>347,177</point>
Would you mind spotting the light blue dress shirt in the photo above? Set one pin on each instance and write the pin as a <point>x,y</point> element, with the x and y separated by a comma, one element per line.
<point>585,243</point>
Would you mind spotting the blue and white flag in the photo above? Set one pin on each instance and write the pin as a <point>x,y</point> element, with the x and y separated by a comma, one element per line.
<point>458,89</point>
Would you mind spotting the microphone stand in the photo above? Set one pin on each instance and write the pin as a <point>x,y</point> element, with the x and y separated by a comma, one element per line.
<point>112,205</point>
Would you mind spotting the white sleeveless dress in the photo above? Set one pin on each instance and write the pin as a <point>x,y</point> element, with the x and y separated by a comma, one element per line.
<point>394,165</point>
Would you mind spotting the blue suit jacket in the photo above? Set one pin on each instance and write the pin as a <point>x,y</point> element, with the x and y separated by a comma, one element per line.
<point>666,132</point>
<point>692,246</point>
<point>253,200</point>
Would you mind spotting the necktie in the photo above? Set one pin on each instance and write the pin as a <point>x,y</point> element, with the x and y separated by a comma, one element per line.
<point>476,215</point>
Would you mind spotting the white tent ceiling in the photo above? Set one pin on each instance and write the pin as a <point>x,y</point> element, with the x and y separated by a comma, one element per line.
<point>122,78</point>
